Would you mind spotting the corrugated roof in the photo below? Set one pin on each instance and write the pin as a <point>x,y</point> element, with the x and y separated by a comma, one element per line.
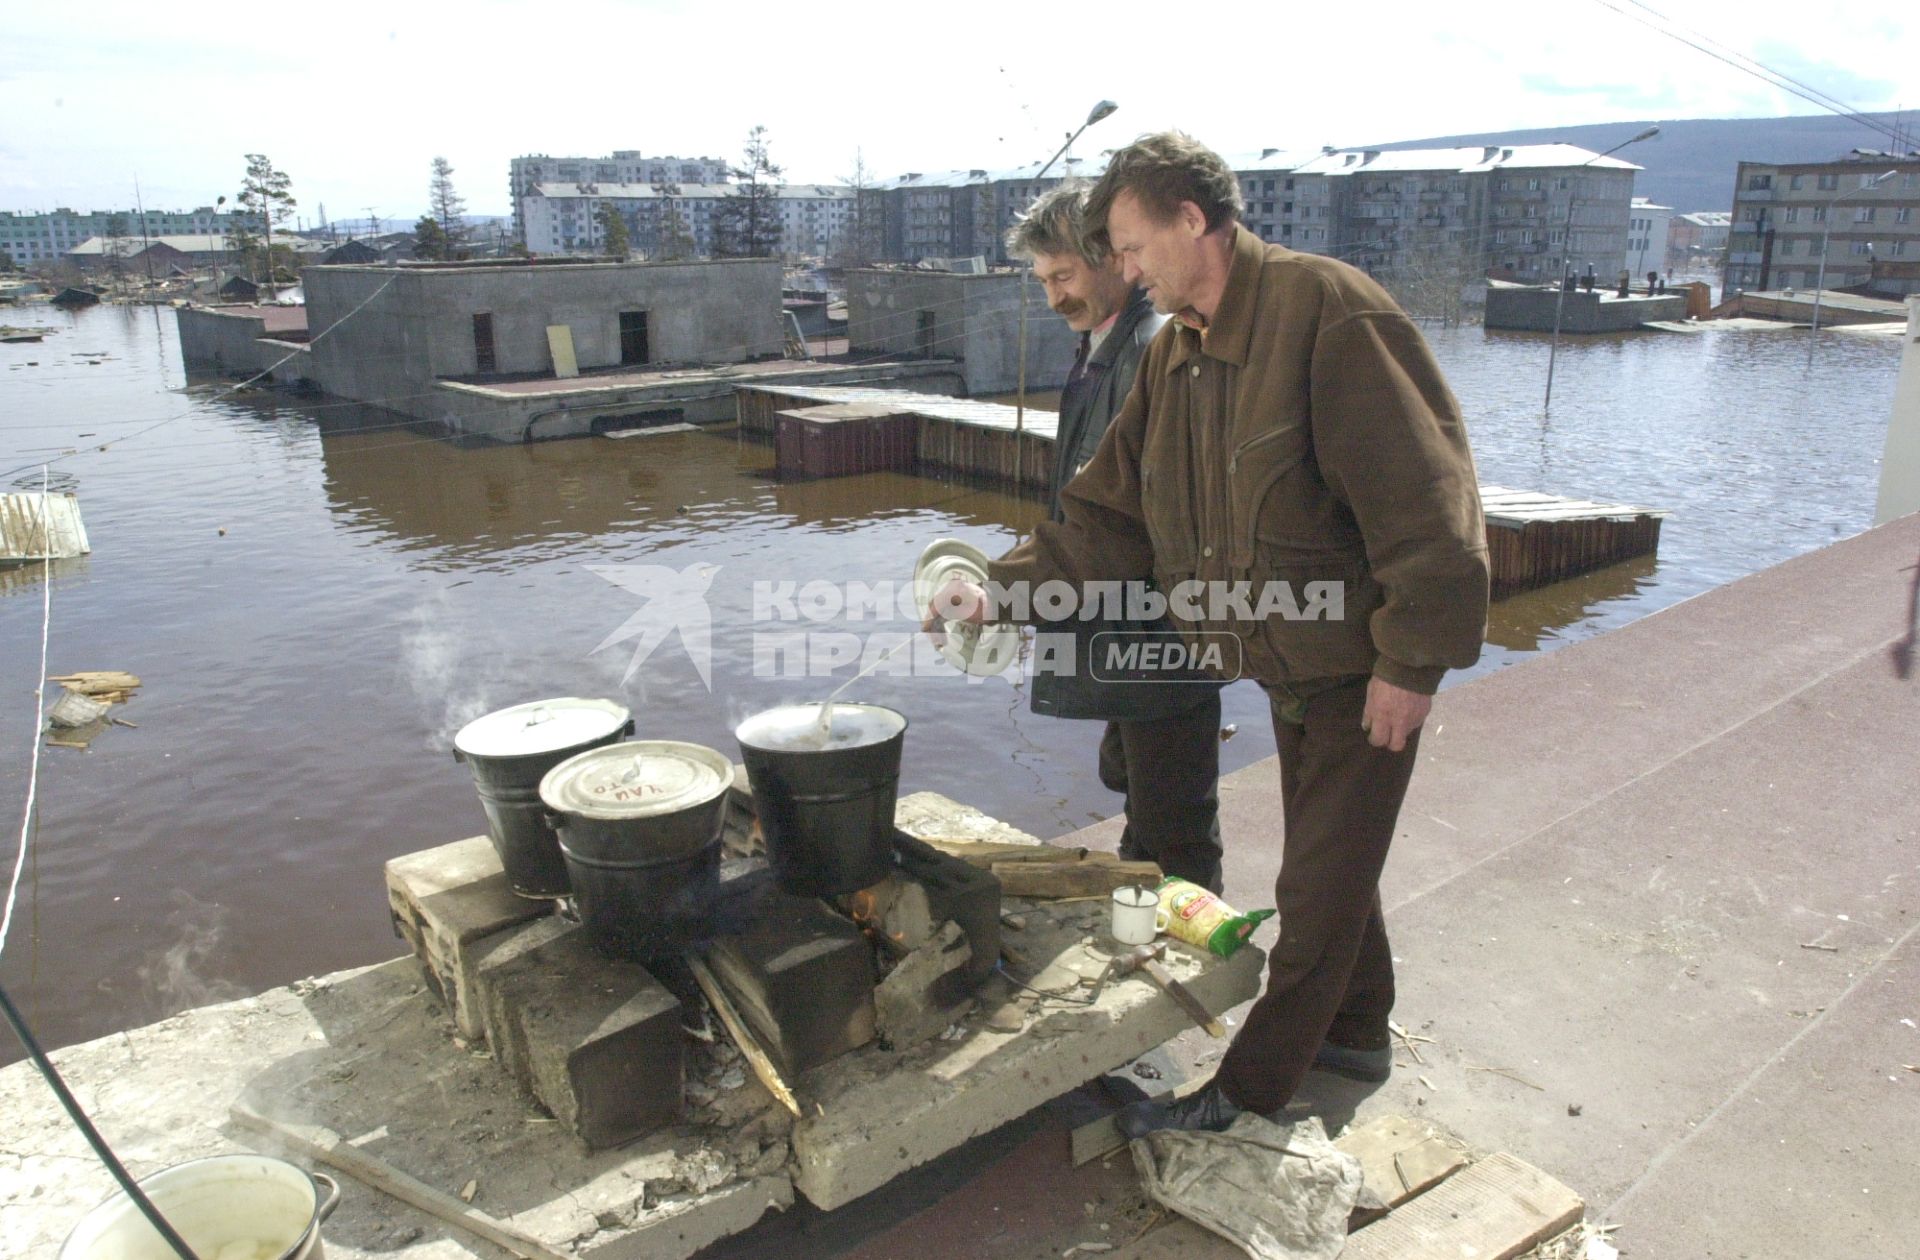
<point>206,243</point>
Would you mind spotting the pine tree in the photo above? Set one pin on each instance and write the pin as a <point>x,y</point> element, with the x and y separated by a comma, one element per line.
<point>266,198</point>
<point>429,242</point>
<point>746,224</point>
<point>447,208</point>
<point>613,229</point>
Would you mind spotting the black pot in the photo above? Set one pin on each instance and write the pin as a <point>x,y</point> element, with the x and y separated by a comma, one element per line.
<point>642,852</point>
<point>509,756</point>
<point>826,812</point>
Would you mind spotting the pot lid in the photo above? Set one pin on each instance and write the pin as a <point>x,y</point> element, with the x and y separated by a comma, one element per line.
<point>642,778</point>
<point>541,726</point>
<point>796,727</point>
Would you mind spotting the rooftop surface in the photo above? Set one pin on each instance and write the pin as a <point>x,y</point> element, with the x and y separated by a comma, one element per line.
<point>1654,905</point>
<point>278,318</point>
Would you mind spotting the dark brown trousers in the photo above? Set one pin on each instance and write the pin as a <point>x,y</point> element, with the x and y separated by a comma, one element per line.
<point>1169,771</point>
<point>1330,975</point>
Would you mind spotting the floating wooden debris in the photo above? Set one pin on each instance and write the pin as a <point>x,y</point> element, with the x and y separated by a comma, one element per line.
<point>115,686</point>
<point>1535,539</point>
<point>25,536</point>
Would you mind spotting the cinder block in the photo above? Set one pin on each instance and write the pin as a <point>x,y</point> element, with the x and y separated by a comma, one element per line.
<point>597,1041</point>
<point>914,1002</point>
<point>447,902</point>
<point>801,976</point>
<point>496,995</point>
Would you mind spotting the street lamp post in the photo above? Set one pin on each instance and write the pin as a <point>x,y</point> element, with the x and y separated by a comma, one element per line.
<point>1020,395</point>
<point>1566,247</point>
<point>1825,236</point>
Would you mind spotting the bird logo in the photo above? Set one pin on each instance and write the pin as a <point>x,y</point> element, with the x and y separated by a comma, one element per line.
<point>674,601</point>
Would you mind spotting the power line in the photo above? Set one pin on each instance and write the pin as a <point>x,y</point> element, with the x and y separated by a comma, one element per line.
<point>1749,66</point>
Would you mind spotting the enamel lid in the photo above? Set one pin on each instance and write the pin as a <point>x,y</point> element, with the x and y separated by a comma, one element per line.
<point>643,778</point>
<point>541,726</point>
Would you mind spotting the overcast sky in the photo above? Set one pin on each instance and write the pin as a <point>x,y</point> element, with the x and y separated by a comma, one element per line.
<point>353,100</point>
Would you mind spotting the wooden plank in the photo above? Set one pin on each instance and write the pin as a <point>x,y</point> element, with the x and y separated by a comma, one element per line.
<point>1494,1210</point>
<point>1096,876</point>
<point>1399,1157</point>
<point>325,1146</point>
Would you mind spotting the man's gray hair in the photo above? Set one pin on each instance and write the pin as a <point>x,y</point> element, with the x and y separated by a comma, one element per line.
<point>1056,224</point>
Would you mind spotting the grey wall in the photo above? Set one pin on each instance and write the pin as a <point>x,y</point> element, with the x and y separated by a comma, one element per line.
<point>972,318</point>
<point>1531,310</point>
<point>236,344</point>
<point>419,328</point>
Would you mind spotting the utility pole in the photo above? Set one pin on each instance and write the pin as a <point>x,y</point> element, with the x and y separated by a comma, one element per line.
<point>146,246</point>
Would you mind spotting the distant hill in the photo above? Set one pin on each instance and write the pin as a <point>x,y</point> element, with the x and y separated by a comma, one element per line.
<point>1691,163</point>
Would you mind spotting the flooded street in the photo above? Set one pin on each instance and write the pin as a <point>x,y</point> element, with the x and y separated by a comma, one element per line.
<point>316,596</point>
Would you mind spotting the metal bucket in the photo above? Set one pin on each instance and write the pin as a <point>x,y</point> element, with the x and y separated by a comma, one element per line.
<point>510,751</point>
<point>826,808</point>
<point>640,826</point>
<point>247,1207</point>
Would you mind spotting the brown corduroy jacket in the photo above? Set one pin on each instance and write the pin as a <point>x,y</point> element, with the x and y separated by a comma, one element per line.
<point>1309,438</point>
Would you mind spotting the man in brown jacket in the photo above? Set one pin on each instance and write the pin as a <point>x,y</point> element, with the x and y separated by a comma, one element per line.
<point>1291,472</point>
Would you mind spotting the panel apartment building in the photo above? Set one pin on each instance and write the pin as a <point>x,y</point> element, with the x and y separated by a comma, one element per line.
<point>674,221</point>
<point>622,166</point>
<point>1789,216</point>
<point>1511,211</point>
<point>34,239</point>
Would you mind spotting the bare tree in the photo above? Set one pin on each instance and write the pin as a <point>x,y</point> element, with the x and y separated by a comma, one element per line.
<point>858,245</point>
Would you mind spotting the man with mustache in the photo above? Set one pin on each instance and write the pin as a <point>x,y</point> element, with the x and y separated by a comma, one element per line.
<point>1161,747</point>
<point>1289,429</point>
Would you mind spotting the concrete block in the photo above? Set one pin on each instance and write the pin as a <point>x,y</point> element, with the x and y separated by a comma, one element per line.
<point>447,903</point>
<point>913,1004</point>
<point>496,997</point>
<point>801,976</point>
<point>881,1114</point>
<point>597,1041</point>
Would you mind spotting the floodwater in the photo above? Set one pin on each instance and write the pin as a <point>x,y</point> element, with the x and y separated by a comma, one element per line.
<point>317,596</point>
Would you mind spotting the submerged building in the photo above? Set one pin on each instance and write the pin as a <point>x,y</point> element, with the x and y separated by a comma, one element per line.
<point>526,350</point>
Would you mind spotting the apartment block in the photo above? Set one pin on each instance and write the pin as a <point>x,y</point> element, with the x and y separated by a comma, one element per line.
<point>669,221</point>
<point>1790,218</point>
<point>622,166</point>
<point>1449,215</point>
<point>1648,229</point>
<point>1696,238</point>
<point>34,238</point>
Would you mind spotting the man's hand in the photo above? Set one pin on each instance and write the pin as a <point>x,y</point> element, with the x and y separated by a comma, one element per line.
<point>1392,714</point>
<point>957,600</point>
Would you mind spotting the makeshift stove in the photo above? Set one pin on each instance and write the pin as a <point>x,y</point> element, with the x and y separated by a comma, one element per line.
<point>819,1040</point>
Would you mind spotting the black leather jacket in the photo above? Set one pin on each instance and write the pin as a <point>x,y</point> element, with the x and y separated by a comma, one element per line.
<point>1087,407</point>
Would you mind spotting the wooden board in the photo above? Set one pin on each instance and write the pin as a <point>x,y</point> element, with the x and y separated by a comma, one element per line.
<point>1493,1210</point>
<point>1095,876</point>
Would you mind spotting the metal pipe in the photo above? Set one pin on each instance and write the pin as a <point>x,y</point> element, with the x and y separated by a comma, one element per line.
<point>1566,247</point>
<point>1820,282</point>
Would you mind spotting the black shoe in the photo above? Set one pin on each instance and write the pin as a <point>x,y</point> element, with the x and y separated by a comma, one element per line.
<point>1206,1111</point>
<point>1372,1066</point>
